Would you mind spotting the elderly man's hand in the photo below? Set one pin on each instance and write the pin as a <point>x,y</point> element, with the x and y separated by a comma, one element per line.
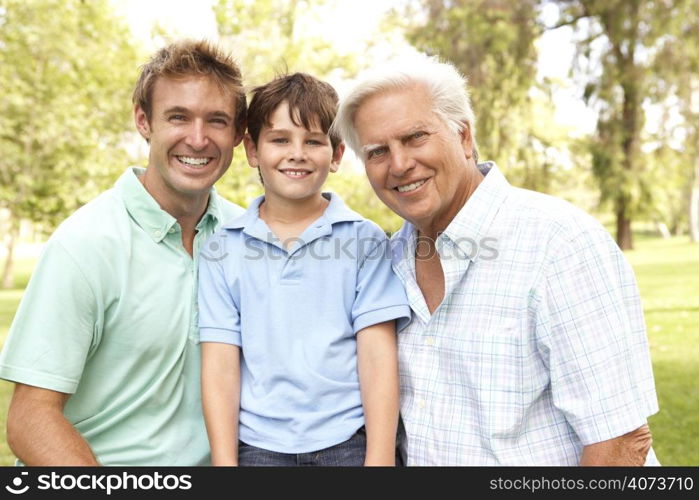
<point>629,449</point>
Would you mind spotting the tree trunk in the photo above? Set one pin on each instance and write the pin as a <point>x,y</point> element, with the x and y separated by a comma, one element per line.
<point>694,206</point>
<point>624,237</point>
<point>663,230</point>
<point>7,280</point>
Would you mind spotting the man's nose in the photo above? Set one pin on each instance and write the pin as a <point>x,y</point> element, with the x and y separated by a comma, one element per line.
<point>401,162</point>
<point>197,137</point>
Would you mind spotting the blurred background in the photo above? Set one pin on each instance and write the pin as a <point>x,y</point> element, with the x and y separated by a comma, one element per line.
<point>593,101</point>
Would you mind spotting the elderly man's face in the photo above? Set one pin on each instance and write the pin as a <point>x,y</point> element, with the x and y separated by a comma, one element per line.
<point>415,163</point>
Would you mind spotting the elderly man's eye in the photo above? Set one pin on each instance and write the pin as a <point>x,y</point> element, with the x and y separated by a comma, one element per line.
<point>374,153</point>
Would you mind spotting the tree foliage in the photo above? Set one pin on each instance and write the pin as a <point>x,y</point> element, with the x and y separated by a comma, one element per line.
<point>67,69</point>
<point>623,38</point>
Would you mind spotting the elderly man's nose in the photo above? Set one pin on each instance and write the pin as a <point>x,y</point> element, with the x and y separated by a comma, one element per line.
<point>400,162</point>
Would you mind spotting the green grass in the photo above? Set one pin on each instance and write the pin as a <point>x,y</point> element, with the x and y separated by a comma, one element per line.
<point>668,276</point>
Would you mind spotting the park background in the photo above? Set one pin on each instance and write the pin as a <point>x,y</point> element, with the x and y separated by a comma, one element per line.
<point>593,101</point>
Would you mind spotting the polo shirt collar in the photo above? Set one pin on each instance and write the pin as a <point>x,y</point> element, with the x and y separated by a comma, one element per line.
<point>470,225</point>
<point>146,212</point>
<point>252,225</point>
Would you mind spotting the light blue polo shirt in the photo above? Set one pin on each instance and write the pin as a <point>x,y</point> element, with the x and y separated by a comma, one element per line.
<point>295,315</point>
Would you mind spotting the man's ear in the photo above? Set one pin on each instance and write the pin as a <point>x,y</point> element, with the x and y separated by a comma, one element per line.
<point>337,157</point>
<point>239,134</point>
<point>466,140</point>
<point>141,121</point>
<point>250,151</point>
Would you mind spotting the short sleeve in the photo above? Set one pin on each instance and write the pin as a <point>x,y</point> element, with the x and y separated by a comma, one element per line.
<point>591,325</point>
<point>53,329</point>
<point>380,296</point>
<point>219,317</point>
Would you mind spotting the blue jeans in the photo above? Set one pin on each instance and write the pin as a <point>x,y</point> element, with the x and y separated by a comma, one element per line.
<point>349,453</point>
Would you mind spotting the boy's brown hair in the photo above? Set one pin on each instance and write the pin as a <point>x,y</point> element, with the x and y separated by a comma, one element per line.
<point>192,58</point>
<point>310,101</point>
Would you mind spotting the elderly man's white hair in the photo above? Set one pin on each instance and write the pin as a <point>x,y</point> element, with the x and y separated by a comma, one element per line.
<point>443,82</point>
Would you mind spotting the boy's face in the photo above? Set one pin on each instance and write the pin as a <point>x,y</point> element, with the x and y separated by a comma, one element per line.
<point>192,134</point>
<point>294,162</point>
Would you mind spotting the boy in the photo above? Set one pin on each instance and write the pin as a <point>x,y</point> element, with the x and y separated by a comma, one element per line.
<point>298,306</point>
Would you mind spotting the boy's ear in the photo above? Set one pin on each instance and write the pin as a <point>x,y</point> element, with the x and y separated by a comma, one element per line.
<point>250,151</point>
<point>337,157</point>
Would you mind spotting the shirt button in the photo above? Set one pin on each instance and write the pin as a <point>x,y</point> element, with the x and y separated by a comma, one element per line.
<point>430,341</point>
<point>157,234</point>
<point>171,230</point>
<point>421,403</point>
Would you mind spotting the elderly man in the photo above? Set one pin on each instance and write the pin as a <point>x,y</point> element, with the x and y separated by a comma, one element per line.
<point>104,347</point>
<point>527,344</point>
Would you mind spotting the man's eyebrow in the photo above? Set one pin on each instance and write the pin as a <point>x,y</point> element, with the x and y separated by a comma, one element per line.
<point>221,114</point>
<point>369,147</point>
<point>181,109</point>
<point>176,109</point>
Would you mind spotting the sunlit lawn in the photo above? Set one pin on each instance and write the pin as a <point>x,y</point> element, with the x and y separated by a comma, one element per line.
<point>668,274</point>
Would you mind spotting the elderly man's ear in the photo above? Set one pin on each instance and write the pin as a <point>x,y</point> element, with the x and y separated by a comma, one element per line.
<point>466,141</point>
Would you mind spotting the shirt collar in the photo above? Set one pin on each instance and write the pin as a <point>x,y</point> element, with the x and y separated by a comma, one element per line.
<point>470,225</point>
<point>336,211</point>
<point>146,212</point>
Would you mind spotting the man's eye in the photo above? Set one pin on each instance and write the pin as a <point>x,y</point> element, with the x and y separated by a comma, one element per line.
<point>176,118</point>
<point>220,121</point>
<point>375,153</point>
<point>418,135</point>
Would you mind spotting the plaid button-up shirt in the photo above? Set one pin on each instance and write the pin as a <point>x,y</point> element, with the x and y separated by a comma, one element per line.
<point>539,346</point>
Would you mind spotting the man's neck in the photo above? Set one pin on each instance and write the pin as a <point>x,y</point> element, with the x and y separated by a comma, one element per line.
<point>186,210</point>
<point>431,228</point>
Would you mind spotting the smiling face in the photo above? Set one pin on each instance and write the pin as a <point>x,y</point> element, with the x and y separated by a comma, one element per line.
<point>294,161</point>
<point>417,166</point>
<point>191,134</point>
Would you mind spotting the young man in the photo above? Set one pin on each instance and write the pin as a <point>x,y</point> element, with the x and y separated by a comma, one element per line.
<point>527,346</point>
<point>297,315</point>
<point>103,348</point>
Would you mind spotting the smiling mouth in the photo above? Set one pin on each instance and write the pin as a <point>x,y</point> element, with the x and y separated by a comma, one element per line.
<point>194,162</point>
<point>410,187</point>
<point>295,173</point>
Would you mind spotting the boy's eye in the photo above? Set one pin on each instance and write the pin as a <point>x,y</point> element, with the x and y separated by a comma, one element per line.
<point>279,140</point>
<point>314,142</point>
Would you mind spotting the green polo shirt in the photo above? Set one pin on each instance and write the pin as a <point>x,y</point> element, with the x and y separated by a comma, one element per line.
<point>109,316</point>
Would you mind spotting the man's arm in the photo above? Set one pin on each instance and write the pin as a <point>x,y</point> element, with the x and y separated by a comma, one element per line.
<point>629,449</point>
<point>39,434</point>
<point>377,362</point>
<point>220,382</point>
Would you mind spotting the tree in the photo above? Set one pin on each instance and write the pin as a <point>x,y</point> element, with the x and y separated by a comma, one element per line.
<point>66,72</point>
<point>623,37</point>
<point>677,87</point>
